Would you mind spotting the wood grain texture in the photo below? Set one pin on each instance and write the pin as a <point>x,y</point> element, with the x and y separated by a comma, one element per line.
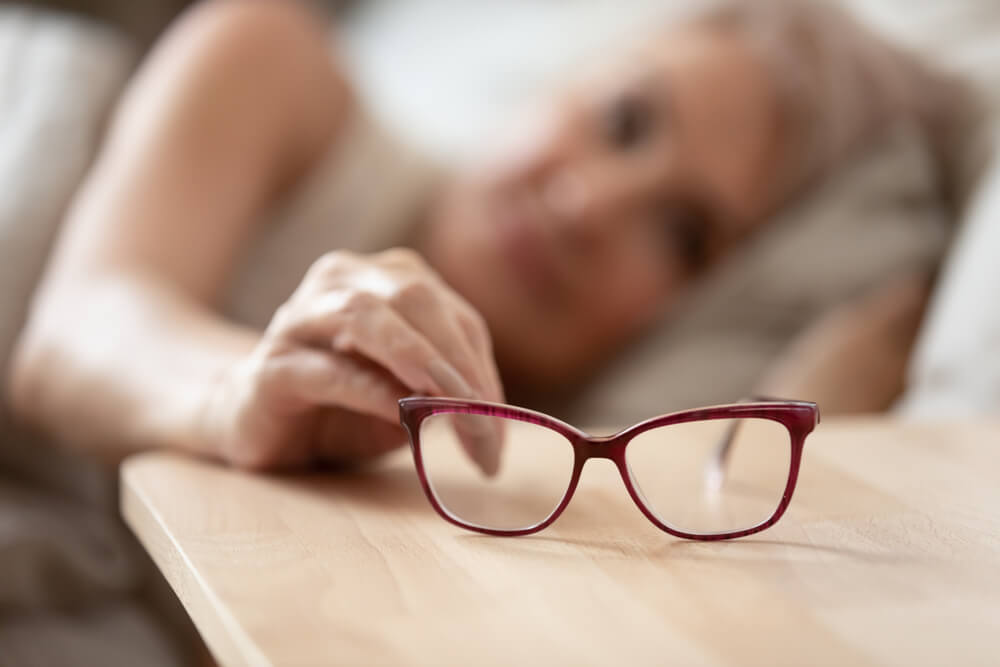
<point>889,554</point>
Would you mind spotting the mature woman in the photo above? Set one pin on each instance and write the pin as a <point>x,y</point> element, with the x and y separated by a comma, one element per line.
<point>201,299</point>
<point>538,265</point>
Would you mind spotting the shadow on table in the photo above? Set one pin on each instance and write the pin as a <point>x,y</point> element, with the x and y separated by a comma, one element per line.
<point>746,549</point>
<point>393,486</point>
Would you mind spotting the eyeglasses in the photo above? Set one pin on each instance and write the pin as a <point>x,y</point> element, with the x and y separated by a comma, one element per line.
<point>706,474</point>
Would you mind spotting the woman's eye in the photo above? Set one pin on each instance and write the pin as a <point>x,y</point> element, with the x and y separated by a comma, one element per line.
<point>627,121</point>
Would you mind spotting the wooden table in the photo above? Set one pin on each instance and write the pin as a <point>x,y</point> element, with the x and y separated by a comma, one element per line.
<point>890,554</point>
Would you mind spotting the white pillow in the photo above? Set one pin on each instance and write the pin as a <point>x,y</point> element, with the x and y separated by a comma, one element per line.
<point>59,76</point>
<point>955,370</point>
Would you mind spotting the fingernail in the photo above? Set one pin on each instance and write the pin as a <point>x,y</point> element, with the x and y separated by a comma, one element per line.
<point>446,377</point>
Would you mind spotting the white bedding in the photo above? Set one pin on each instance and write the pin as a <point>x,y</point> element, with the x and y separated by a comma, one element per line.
<point>404,52</point>
<point>59,77</point>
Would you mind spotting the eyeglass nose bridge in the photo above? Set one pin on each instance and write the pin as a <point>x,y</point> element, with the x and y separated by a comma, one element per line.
<point>611,447</point>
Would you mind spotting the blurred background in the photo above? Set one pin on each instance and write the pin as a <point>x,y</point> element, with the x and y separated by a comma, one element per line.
<point>403,50</point>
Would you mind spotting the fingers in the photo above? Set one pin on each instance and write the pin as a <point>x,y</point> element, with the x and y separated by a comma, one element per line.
<point>359,323</point>
<point>482,440</point>
<point>478,334</point>
<point>313,377</point>
<point>390,341</point>
<point>390,349</point>
<point>395,314</point>
<point>350,436</point>
<point>360,419</point>
<point>401,280</point>
<point>452,331</point>
<point>386,338</point>
<point>379,333</point>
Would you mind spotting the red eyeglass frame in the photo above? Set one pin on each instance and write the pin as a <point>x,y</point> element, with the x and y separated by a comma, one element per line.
<point>798,417</point>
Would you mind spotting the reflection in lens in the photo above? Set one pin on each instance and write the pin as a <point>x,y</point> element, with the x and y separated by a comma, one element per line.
<point>535,467</point>
<point>674,469</point>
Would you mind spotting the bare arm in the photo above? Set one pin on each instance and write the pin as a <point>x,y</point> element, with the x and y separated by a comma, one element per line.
<point>122,344</point>
<point>123,349</point>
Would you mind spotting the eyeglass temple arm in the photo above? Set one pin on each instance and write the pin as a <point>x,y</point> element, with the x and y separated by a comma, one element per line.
<point>715,471</point>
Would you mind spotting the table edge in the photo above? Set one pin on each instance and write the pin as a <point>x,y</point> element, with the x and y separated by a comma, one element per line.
<point>221,632</point>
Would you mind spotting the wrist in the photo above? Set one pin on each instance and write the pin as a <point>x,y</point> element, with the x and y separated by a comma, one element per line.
<point>213,419</point>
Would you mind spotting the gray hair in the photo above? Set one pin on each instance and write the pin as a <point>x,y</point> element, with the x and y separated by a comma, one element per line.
<point>838,83</point>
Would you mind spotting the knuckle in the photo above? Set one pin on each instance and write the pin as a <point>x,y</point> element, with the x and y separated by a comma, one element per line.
<point>274,372</point>
<point>262,374</point>
<point>281,321</point>
<point>415,293</point>
<point>353,301</point>
<point>402,257</point>
<point>331,263</point>
<point>345,341</point>
<point>351,311</point>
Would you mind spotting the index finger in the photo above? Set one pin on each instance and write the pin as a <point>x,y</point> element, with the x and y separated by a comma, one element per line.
<point>383,336</point>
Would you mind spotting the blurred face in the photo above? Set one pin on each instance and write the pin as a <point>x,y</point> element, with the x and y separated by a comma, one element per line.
<point>598,215</point>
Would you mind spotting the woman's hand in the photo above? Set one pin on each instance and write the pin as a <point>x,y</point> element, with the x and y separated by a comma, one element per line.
<point>854,359</point>
<point>358,334</point>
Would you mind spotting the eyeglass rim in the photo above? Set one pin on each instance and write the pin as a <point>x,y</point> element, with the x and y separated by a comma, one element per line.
<point>798,417</point>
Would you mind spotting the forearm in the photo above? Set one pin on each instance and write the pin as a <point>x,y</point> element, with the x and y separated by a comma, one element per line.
<point>122,348</point>
<point>115,364</point>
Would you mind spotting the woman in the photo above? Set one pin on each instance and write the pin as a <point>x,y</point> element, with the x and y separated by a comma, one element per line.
<point>175,312</point>
<point>539,265</point>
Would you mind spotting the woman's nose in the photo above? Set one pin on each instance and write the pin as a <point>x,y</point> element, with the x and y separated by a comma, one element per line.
<point>589,203</point>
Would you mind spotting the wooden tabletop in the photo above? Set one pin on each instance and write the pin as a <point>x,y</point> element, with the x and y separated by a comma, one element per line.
<point>889,555</point>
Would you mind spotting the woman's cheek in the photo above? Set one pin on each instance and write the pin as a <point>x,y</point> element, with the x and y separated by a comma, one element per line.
<point>628,302</point>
